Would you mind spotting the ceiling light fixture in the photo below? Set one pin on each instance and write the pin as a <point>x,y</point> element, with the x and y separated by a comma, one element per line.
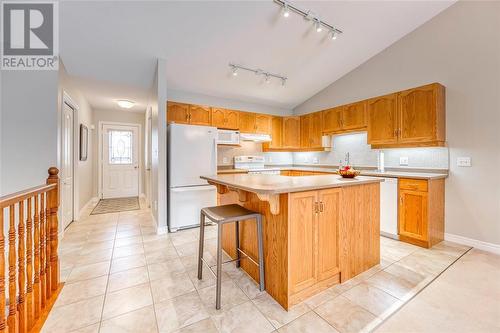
<point>308,15</point>
<point>235,71</point>
<point>125,104</point>
<point>258,71</point>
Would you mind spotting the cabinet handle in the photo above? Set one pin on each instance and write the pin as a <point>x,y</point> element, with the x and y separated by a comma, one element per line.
<point>401,199</point>
<point>321,206</point>
<point>316,208</point>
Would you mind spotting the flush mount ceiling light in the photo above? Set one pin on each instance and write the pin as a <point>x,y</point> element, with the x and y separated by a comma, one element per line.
<point>310,16</point>
<point>259,72</point>
<point>123,103</point>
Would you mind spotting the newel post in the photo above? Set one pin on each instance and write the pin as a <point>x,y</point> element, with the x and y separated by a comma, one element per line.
<point>52,208</point>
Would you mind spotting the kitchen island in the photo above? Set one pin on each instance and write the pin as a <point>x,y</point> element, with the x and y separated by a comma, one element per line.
<point>318,230</point>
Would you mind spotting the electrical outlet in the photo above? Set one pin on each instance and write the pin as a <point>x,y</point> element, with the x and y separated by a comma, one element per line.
<point>464,161</point>
<point>403,160</point>
<point>315,160</point>
<point>224,160</point>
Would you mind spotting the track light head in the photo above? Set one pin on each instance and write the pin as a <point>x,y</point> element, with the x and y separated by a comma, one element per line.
<point>333,35</point>
<point>235,71</point>
<point>268,78</point>
<point>318,26</point>
<point>283,82</point>
<point>286,10</point>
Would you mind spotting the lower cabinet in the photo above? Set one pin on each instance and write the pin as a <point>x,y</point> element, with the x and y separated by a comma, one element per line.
<point>313,237</point>
<point>421,211</point>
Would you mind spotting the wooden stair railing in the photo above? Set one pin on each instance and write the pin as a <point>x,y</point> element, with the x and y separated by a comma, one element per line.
<point>33,263</point>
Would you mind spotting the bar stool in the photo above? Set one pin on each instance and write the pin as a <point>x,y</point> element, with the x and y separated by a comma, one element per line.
<point>222,215</point>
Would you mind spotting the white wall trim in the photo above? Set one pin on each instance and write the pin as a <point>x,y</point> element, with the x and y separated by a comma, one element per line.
<point>99,153</point>
<point>91,202</point>
<point>161,230</point>
<point>489,247</point>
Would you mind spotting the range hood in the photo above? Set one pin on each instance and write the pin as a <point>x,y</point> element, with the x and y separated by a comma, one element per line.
<point>255,137</point>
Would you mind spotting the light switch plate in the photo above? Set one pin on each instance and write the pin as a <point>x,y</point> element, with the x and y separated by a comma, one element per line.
<point>464,161</point>
<point>403,160</point>
<point>315,160</point>
<point>224,160</point>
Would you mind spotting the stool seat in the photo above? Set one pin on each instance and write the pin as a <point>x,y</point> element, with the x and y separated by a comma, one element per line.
<point>228,213</point>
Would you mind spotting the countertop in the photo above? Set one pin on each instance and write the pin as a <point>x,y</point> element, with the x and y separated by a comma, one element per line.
<point>276,184</point>
<point>364,172</point>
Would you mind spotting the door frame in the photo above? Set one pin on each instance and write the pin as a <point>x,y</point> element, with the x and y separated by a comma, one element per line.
<point>100,153</point>
<point>76,144</point>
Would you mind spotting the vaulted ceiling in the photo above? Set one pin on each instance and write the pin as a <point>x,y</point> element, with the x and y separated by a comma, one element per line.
<point>111,47</point>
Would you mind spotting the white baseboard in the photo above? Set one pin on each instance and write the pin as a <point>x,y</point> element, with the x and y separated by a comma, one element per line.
<point>489,247</point>
<point>162,230</point>
<point>92,201</point>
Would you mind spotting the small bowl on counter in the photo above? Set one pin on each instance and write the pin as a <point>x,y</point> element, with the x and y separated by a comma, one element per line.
<point>349,173</point>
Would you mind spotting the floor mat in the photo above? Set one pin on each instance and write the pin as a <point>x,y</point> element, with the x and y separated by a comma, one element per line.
<point>105,206</point>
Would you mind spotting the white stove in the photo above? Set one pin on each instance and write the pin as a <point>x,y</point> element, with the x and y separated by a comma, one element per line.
<point>255,165</point>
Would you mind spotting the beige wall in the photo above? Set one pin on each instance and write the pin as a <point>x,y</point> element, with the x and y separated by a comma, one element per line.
<point>83,183</point>
<point>459,48</point>
<point>119,117</point>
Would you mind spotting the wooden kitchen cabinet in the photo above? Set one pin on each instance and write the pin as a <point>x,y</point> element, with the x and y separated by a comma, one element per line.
<point>332,120</point>
<point>276,134</point>
<point>382,119</point>
<point>263,124</point>
<point>177,113</point>
<point>305,131</point>
<point>200,115</point>
<point>354,116</point>
<point>223,118</point>
<point>291,132</point>
<point>422,115</point>
<point>421,211</point>
<point>311,130</point>
<point>247,122</point>
<point>314,223</point>
<point>181,113</point>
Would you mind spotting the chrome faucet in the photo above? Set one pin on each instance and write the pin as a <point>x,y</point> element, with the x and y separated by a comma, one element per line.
<point>347,162</point>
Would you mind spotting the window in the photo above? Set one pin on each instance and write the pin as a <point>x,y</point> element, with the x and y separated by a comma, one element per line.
<point>120,147</point>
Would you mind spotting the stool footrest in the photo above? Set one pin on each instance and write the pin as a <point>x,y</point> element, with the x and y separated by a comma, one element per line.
<point>246,256</point>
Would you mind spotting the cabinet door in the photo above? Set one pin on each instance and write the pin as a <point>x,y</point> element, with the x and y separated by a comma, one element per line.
<point>413,214</point>
<point>382,120</point>
<point>218,118</point>
<point>200,115</point>
<point>328,224</point>
<point>315,132</point>
<point>247,122</point>
<point>332,120</point>
<point>177,113</point>
<point>417,114</point>
<point>263,124</point>
<point>232,118</point>
<point>276,129</point>
<point>305,127</point>
<point>291,132</point>
<point>302,240</point>
<point>354,116</point>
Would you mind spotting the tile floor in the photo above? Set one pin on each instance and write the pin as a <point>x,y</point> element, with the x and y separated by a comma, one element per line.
<point>122,277</point>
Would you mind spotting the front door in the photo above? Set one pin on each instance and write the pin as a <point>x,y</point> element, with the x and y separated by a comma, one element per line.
<point>67,165</point>
<point>120,161</point>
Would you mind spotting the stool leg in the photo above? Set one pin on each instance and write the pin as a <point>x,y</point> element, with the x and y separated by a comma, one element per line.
<point>237,228</point>
<point>219,266</point>
<point>200,247</point>
<point>261,252</point>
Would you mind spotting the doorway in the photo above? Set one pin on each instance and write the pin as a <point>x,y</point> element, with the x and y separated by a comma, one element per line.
<point>119,172</point>
<point>67,164</point>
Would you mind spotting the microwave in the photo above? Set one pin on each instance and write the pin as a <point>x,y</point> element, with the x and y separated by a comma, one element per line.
<point>228,137</point>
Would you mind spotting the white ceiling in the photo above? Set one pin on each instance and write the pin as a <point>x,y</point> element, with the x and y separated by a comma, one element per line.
<point>111,47</point>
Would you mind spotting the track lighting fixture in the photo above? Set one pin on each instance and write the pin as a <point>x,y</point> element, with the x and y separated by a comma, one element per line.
<point>308,15</point>
<point>267,75</point>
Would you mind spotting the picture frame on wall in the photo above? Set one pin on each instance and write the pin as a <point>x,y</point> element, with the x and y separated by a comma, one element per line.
<point>84,142</point>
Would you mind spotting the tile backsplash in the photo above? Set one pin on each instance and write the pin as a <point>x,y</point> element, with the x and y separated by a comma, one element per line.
<point>360,153</point>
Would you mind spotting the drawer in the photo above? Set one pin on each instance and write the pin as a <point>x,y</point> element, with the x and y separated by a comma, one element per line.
<point>413,184</point>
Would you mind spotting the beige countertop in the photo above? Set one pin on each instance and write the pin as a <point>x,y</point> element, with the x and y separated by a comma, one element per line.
<point>373,173</point>
<point>276,184</point>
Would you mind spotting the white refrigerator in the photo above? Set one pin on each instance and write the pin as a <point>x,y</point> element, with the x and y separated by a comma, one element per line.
<point>192,152</point>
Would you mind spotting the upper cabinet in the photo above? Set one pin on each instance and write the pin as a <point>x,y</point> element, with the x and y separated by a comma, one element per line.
<point>382,119</point>
<point>410,118</point>
<point>354,116</point>
<point>177,113</point>
<point>291,132</point>
<point>247,122</point>
<point>422,115</point>
<point>263,124</point>
<point>182,113</point>
<point>311,130</point>
<point>332,120</point>
<point>223,118</point>
<point>276,134</point>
